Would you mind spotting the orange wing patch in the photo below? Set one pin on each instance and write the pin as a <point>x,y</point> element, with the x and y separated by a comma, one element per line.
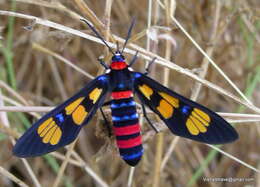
<point>146,90</point>
<point>172,100</point>
<point>95,94</point>
<point>72,106</point>
<point>79,114</point>
<point>202,116</point>
<point>197,122</point>
<point>77,110</point>
<point>165,109</point>
<point>44,125</point>
<point>49,131</point>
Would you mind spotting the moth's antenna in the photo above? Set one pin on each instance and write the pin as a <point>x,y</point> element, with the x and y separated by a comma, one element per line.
<point>98,35</point>
<point>117,46</point>
<point>128,34</point>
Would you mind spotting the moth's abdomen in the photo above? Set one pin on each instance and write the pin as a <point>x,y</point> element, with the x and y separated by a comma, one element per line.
<point>126,127</point>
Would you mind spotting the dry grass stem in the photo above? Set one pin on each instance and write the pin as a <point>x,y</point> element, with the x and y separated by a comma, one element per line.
<point>12,177</point>
<point>55,55</point>
<point>234,158</point>
<point>5,121</point>
<point>64,164</point>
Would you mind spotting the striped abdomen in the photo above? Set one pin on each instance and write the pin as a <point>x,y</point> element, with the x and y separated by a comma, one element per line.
<point>126,127</point>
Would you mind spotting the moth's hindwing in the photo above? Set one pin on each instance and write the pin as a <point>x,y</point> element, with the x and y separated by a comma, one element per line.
<point>182,116</point>
<point>62,125</point>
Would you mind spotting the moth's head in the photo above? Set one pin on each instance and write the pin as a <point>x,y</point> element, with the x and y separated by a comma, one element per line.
<point>118,61</point>
<point>118,57</point>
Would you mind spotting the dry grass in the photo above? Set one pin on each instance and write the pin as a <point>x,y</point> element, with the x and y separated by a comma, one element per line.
<point>206,50</point>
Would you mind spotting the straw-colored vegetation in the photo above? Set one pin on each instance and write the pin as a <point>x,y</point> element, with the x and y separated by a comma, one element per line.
<point>206,50</point>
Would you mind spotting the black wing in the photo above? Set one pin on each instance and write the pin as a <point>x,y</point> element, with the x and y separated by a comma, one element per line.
<point>62,125</point>
<point>182,116</point>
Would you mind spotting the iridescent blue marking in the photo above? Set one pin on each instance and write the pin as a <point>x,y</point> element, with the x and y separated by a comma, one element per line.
<point>114,106</point>
<point>114,118</point>
<point>121,85</point>
<point>131,103</point>
<point>125,118</point>
<point>117,58</point>
<point>185,109</point>
<point>133,156</point>
<point>137,75</point>
<point>102,78</point>
<point>134,116</point>
<point>124,104</point>
<point>60,117</point>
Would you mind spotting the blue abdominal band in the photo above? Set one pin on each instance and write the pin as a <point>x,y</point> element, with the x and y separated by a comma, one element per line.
<point>124,104</point>
<point>133,156</point>
<point>125,118</point>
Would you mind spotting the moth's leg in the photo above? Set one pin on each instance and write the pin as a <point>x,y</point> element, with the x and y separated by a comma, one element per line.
<point>106,122</point>
<point>147,69</point>
<point>103,63</point>
<point>148,120</point>
<point>107,103</point>
<point>133,60</point>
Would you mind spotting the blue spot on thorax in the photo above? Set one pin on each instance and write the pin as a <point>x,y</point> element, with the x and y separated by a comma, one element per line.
<point>137,75</point>
<point>102,78</point>
<point>60,117</point>
<point>121,85</point>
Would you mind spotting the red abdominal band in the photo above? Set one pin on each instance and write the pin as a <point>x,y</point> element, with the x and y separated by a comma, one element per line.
<point>122,94</point>
<point>130,142</point>
<point>131,129</point>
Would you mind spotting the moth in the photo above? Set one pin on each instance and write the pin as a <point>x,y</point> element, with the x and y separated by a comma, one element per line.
<point>182,116</point>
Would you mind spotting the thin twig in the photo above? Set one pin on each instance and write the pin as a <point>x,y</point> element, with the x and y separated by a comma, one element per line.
<point>10,176</point>
<point>61,58</point>
<point>12,92</point>
<point>234,158</point>
<point>88,170</point>
<point>169,152</point>
<point>130,177</point>
<point>57,78</point>
<point>89,13</point>
<point>20,108</point>
<point>64,164</point>
<point>5,121</point>
<point>211,61</point>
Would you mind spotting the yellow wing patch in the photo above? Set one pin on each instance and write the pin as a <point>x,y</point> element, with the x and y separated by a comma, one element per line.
<point>56,136</point>
<point>72,106</point>
<point>201,116</point>
<point>146,90</point>
<point>192,128</point>
<point>50,132</point>
<point>95,94</point>
<point>172,100</point>
<point>79,114</point>
<point>165,109</point>
<point>77,110</point>
<point>44,125</point>
<point>197,122</point>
